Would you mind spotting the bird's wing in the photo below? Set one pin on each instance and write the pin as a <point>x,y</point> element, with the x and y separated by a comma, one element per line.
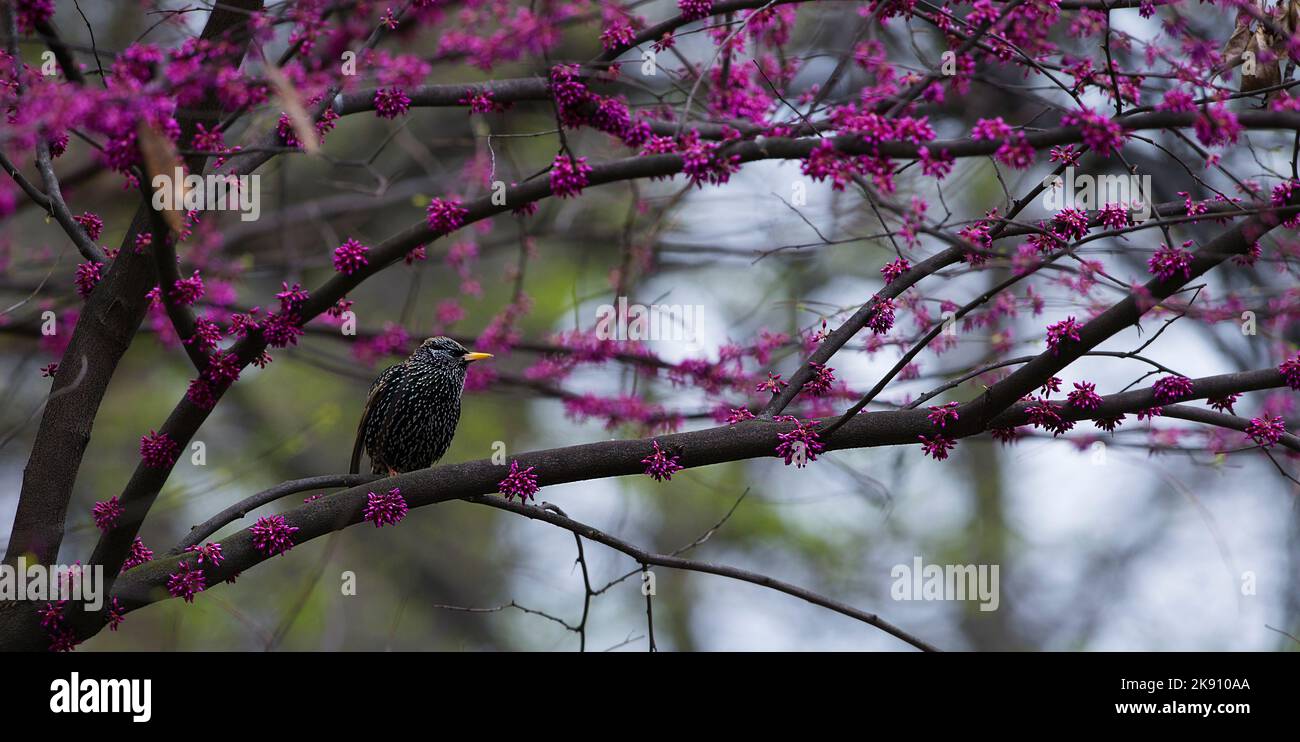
<point>378,391</point>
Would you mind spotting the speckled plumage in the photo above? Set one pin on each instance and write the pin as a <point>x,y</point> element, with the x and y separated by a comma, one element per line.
<point>413,407</point>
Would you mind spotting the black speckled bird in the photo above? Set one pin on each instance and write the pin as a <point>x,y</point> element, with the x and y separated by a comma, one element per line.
<point>413,407</point>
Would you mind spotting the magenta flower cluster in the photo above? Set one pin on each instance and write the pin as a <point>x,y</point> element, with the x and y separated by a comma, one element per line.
<point>1172,388</point>
<point>272,535</point>
<point>445,216</point>
<point>116,614</point>
<point>209,552</point>
<point>1100,133</point>
<point>936,446</point>
<point>391,103</point>
<point>385,508</point>
<point>350,257</point>
<point>87,277</point>
<point>659,465</point>
<point>92,224</point>
<point>62,637</point>
<point>1109,424</point>
<point>1007,434</point>
<point>1168,262</point>
<point>738,415</point>
<point>1290,370</point>
<point>1043,414</point>
<point>893,270</point>
<point>1224,403</point>
<point>569,175</point>
<point>106,514</point>
<point>157,450</point>
<point>186,582</point>
<point>187,291</point>
<point>1066,329</point>
<point>1084,396</point>
<point>139,554</point>
<point>223,368</point>
<point>882,316</point>
<point>1266,430</point>
<point>520,482</point>
<point>695,9</point>
<point>940,416</point>
<point>801,445</point>
<point>822,380</point>
<point>773,383</point>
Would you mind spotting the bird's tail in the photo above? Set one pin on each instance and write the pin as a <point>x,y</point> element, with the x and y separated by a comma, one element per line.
<point>355,468</point>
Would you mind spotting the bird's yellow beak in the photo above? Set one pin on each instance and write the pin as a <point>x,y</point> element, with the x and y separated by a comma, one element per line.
<point>475,356</point>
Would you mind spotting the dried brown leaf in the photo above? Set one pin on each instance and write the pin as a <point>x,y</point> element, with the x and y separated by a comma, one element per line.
<point>161,158</point>
<point>303,126</point>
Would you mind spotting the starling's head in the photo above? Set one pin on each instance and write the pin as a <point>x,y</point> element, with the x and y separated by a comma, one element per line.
<point>444,350</point>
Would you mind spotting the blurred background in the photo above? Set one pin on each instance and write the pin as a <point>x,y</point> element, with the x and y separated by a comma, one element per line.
<point>1143,542</point>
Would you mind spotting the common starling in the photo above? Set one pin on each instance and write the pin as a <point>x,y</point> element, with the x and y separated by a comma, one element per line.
<point>413,407</point>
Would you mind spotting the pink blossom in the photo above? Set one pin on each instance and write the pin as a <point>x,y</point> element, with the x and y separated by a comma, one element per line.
<point>1066,329</point>
<point>1171,389</point>
<point>52,614</point>
<point>1290,370</point>
<point>738,415</point>
<point>1099,132</point>
<point>773,384</point>
<point>695,9</point>
<point>1218,126</point>
<point>1168,262</point>
<point>92,224</point>
<point>116,614</point>
<point>937,446</point>
<point>882,316</point>
<point>1084,396</point>
<point>1005,435</point>
<point>991,129</point>
<point>88,275</point>
<point>106,514</point>
<point>520,482</point>
<point>157,450</point>
<point>659,465</point>
<point>446,216</point>
<point>63,640</point>
<point>350,257</point>
<point>569,175</point>
<point>186,582</point>
<point>186,291</point>
<point>1109,424</point>
<point>138,555</point>
<point>895,269</point>
<point>1224,403</point>
<point>272,535</point>
<point>940,416</point>
<point>210,552</point>
<point>1266,430</point>
<point>387,508</point>
<point>801,445</point>
<point>391,103</point>
<point>821,381</point>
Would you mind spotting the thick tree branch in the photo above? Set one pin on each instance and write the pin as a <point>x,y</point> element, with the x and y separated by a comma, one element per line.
<point>751,439</point>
